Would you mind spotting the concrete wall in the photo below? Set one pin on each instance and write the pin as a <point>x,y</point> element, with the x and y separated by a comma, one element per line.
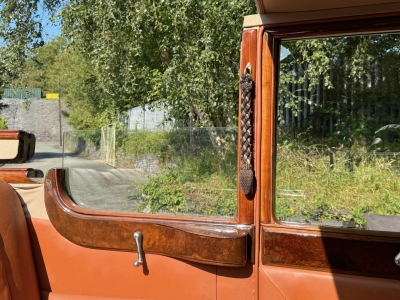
<point>40,117</point>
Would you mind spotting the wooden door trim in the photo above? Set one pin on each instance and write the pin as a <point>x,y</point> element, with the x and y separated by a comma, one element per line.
<point>333,27</point>
<point>213,243</point>
<point>21,175</point>
<point>367,253</point>
<point>248,55</point>
<point>270,69</point>
<point>354,252</point>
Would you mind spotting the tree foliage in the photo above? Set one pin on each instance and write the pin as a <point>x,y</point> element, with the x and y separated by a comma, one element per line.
<point>180,54</point>
<point>183,54</point>
<point>38,70</point>
<point>79,90</point>
<point>20,30</point>
<point>350,85</point>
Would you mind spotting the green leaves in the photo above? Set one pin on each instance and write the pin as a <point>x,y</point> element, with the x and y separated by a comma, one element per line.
<point>184,54</point>
<point>20,31</point>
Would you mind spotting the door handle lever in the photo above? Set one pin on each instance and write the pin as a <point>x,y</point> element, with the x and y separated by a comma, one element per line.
<point>397,259</point>
<point>138,237</point>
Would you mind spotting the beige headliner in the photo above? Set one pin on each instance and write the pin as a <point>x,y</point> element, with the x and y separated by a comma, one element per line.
<point>292,16</point>
<point>284,6</point>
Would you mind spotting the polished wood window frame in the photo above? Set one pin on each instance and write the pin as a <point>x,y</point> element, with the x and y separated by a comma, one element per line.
<point>208,240</point>
<point>366,253</point>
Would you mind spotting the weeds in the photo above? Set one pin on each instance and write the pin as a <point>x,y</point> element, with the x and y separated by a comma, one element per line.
<point>196,178</point>
<point>332,191</point>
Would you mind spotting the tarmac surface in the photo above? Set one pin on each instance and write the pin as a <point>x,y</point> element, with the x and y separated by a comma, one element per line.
<point>93,184</point>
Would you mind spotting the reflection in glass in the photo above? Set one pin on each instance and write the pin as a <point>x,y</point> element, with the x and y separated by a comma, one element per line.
<point>180,171</point>
<point>338,138</point>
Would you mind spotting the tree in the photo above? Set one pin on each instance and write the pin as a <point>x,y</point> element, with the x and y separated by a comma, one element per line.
<point>37,71</point>
<point>79,90</point>
<point>349,85</point>
<point>20,31</point>
<point>180,54</point>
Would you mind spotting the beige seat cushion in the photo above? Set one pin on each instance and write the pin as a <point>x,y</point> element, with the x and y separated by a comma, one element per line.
<point>32,199</point>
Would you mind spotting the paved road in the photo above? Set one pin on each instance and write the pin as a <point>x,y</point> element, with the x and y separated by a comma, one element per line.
<point>93,184</point>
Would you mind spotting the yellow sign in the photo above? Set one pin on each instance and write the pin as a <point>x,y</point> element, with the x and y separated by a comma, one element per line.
<point>51,96</point>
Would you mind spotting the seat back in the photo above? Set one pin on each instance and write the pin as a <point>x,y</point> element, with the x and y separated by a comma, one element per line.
<point>17,271</point>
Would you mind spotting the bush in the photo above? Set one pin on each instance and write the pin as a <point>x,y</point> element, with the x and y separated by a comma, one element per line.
<point>197,177</point>
<point>3,124</point>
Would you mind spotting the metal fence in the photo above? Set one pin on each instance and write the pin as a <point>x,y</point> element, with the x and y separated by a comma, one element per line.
<point>23,93</point>
<point>107,144</point>
<point>375,95</point>
<point>139,118</point>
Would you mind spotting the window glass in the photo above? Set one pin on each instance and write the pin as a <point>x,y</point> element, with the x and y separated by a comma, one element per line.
<point>338,132</point>
<point>178,171</point>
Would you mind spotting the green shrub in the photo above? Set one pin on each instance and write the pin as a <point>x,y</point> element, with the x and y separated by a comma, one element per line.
<point>3,124</point>
<point>197,179</point>
<point>163,192</point>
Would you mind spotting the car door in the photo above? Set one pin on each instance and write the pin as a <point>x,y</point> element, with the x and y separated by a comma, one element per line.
<point>320,237</point>
<point>83,249</point>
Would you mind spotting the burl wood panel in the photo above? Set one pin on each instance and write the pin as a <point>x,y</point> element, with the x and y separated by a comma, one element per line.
<point>351,252</point>
<point>208,243</point>
<point>20,175</point>
<point>248,55</point>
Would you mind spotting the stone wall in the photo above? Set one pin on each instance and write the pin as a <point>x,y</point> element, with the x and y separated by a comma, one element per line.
<point>148,164</point>
<point>39,116</point>
<point>79,146</point>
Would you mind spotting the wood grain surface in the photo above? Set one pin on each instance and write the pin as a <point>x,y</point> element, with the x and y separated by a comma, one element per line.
<point>209,243</point>
<point>248,55</point>
<point>20,175</point>
<point>350,251</point>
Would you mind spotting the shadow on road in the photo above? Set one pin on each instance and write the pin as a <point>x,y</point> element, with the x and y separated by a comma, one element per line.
<point>44,155</point>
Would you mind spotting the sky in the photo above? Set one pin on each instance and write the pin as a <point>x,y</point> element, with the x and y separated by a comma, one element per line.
<point>284,53</point>
<point>50,29</point>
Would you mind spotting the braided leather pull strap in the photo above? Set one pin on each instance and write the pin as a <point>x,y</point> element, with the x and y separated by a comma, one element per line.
<point>246,174</point>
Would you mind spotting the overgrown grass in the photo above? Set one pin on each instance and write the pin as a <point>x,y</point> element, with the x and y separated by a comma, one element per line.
<point>180,190</point>
<point>308,185</point>
<point>198,171</point>
<point>167,146</point>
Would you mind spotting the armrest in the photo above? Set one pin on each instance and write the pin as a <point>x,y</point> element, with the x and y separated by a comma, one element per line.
<point>212,242</point>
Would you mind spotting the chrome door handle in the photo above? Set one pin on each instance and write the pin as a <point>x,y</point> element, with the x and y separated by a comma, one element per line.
<point>397,259</point>
<point>138,237</point>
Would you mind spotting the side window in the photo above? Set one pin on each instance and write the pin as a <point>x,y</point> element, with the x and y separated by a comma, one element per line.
<point>338,132</point>
<point>189,171</point>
